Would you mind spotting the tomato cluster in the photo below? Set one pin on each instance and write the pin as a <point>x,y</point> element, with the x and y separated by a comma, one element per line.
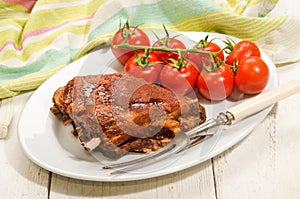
<point>242,68</point>
<point>214,74</point>
<point>167,68</point>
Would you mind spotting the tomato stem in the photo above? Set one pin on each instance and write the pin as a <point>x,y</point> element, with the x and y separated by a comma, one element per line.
<point>212,65</point>
<point>176,63</point>
<point>164,48</point>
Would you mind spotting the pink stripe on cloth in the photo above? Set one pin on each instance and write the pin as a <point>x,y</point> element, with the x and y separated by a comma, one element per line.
<point>25,3</point>
<point>10,43</point>
<point>41,31</point>
<point>44,30</point>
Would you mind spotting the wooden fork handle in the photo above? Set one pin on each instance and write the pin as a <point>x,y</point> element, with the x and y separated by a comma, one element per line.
<point>264,100</point>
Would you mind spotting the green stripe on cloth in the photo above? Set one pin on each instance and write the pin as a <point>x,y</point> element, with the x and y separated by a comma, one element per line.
<point>29,82</point>
<point>45,63</point>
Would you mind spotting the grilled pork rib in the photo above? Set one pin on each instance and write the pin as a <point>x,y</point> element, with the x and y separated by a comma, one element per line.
<point>117,113</point>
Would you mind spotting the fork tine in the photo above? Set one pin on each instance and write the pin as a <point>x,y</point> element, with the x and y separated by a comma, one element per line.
<point>174,150</point>
<point>197,131</point>
<point>180,141</point>
<point>159,157</point>
<point>197,140</point>
<point>200,130</point>
<point>162,151</point>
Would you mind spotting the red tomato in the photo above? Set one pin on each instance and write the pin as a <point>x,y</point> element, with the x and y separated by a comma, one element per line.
<point>135,37</point>
<point>180,80</point>
<point>216,85</point>
<point>252,75</point>
<point>242,50</point>
<point>201,59</point>
<point>147,68</point>
<point>170,43</point>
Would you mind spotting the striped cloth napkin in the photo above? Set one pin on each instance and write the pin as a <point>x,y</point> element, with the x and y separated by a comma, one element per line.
<point>38,38</point>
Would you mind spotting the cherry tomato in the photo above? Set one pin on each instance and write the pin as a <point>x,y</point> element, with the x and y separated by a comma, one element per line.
<point>216,85</point>
<point>180,80</point>
<point>252,75</point>
<point>201,59</point>
<point>148,67</point>
<point>242,50</point>
<point>136,36</point>
<point>170,43</point>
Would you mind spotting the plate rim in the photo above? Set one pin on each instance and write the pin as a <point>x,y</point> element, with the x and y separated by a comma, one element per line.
<point>133,177</point>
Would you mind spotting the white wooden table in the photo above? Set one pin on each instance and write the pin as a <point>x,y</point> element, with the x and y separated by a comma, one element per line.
<point>264,165</point>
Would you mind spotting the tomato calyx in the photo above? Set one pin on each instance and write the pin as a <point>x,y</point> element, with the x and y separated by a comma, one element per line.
<point>208,45</point>
<point>230,45</point>
<point>126,30</point>
<point>142,59</point>
<point>165,41</point>
<point>203,42</point>
<point>179,63</point>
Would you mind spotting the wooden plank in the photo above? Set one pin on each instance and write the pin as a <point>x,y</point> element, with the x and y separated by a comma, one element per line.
<point>19,177</point>
<point>196,182</point>
<point>287,140</point>
<point>247,170</point>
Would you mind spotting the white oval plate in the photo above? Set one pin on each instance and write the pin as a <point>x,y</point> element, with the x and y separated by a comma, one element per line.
<point>50,144</point>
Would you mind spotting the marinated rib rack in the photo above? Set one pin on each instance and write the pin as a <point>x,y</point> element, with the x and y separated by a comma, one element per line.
<point>117,113</point>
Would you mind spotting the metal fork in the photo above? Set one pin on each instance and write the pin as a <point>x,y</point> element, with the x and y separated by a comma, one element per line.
<point>182,141</point>
<point>236,113</point>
